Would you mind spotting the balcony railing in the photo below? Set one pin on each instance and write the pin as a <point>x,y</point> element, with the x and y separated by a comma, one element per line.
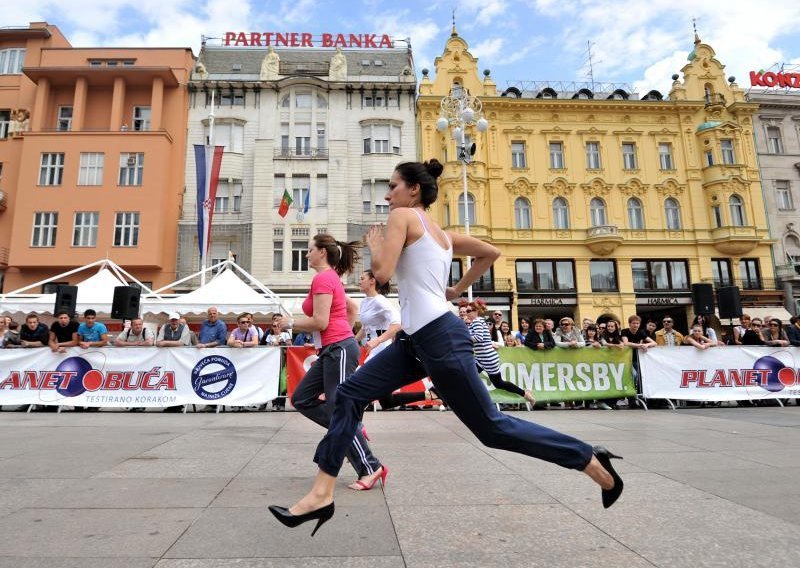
<point>602,231</point>
<point>302,154</point>
<point>492,285</point>
<point>767,284</point>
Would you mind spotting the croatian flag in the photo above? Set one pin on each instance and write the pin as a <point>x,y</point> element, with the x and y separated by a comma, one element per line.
<point>207,163</point>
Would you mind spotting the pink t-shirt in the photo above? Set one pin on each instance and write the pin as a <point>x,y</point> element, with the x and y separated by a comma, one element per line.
<point>328,282</point>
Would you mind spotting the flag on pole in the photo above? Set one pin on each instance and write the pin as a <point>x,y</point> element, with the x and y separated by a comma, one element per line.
<point>306,203</point>
<point>207,160</point>
<point>286,202</point>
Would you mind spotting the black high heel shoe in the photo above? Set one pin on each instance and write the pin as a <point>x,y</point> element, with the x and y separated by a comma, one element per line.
<point>322,515</point>
<point>610,496</point>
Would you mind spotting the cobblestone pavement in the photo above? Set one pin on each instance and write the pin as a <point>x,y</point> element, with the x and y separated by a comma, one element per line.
<point>704,487</point>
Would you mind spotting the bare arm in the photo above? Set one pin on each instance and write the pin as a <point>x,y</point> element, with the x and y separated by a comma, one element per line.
<point>483,255</point>
<point>318,322</point>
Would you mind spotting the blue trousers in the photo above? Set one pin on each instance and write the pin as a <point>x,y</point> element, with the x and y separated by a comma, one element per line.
<point>443,351</point>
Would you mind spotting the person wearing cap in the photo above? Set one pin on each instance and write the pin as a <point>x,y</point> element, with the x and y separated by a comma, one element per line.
<point>174,333</point>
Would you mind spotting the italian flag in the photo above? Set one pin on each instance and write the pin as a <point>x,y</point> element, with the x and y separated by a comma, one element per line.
<point>286,202</point>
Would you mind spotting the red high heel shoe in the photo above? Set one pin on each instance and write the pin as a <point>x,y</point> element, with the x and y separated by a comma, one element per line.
<point>367,486</point>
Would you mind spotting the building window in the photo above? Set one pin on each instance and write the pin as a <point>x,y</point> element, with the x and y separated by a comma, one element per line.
<point>750,274</point>
<point>131,168</point>
<point>302,139</point>
<point>141,118</point>
<point>709,157</point>
<point>5,122</point>
<point>629,156</point>
<point>229,135</point>
<point>381,189</point>
<point>85,232</point>
<point>737,211</point>
<point>374,100</point>
<point>231,98</point>
<point>321,139</point>
<point>717,213</point>
<point>556,155</point>
<point>64,118</point>
<point>322,190</point>
<point>301,185</point>
<point>721,270</point>
<point>593,156</point>
<point>381,138</point>
<point>91,169</point>
<point>672,211</point>
<point>299,260</point>
<point>51,169</point>
<point>522,213</point>
<point>635,214</point>
<point>11,61</point>
<point>45,225</point>
<point>665,156</point>
<point>597,212</point>
<point>456,272</point>
<point>277,255</point>
<point>783,195</point>
<point>126,229</point>
<point>518,155</point>
<point>774,140</point>
<point>560,213</point>
<point>278,187</point>
<point>229,197</point>
<point>728,156</point>
<point>545,275</point>
<point>470,208</point>
<point>285,102</point>
<point>603,275</point>
<point>660,275</point>
<point>302,100</point>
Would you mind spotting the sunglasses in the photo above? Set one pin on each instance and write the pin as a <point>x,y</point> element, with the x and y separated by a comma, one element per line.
<point>773,325</point>
<point>246,322</point>
<point>756,325</point>
<point>469,310</point>
<point>667,321</point>
<point>565,323</point>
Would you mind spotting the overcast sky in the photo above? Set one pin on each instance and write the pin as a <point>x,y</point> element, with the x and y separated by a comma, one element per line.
<point>635,41</point>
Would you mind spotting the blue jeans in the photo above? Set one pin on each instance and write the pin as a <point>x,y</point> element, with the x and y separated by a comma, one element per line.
<point>443,351</point>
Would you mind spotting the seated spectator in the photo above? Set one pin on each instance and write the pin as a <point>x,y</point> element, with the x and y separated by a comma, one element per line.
<point>192,335</point>
<point>708,331</point>
<point>33,333</point>
<point>773,334</point>
<point>591,338</point>
<point>650,329</point>
<point>793,333</point>
<point>174,333</point>
<point>524,328</point>
<point>697,339</point>
<point>12,335</point>
<point>213,331</point>
<point>462,313</point>
<point>752,335</point>
<point>505,331</point>
<point>585,325</point>
<point>275,336</point>
<point>668,335</point>
<point>4,331</point>
<point>739,330</point>
<point>549,325</point>
<point>540,338</point>
<point>137,335</point>
<point>92,333</point>
<point>304,339</point>
<point>63,333</point>
<point>634,336</point>
<point>566,336</point>
<point>510,341</point>
<point>244,335</point>
<point>612,336</point>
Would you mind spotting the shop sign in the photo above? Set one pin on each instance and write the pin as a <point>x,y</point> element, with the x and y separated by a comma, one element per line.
<point>771,79</point>
<point>304,39</point>
<point>545,302</point>
<point>663,301</point>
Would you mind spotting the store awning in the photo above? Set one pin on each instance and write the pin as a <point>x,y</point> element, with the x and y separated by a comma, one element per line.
<point>762,312</point>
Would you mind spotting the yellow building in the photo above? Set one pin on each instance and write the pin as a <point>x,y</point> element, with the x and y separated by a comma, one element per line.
<point>601,202</point>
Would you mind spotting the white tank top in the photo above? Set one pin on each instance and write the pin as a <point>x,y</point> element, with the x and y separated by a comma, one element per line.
<point>422,273</point>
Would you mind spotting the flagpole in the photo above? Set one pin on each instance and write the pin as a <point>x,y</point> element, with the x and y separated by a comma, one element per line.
<point>210,142</point>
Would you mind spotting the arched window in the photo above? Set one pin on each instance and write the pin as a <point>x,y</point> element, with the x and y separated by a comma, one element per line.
<point>737,211</point>
<point>285,102</point>
<point>522,213</point>
<point>322,104</point>
<point>597,212</point>
<point>635,214</point>
<point>470,208</point>
<point>560,213</point>
<point>672,211</point>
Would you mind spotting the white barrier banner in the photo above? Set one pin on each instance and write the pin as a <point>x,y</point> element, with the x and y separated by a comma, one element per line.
<point>139,376</point>
<point>721,373</point>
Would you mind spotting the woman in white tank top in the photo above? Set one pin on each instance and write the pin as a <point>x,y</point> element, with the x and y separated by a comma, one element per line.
<point>436,343</point>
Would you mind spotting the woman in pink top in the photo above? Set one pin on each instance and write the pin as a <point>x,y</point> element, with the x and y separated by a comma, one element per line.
<point>329,316</point>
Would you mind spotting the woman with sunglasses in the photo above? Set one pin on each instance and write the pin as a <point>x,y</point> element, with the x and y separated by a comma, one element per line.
<point>329,315</point>
<point>244,335</point>
<point>774,335</point>
<point>566,336</point>
<point>752,335</point>
<point>433,342</point>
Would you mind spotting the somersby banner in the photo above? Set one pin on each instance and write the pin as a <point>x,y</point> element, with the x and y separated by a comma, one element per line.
<point>139,376</point>
<point>721,373</point>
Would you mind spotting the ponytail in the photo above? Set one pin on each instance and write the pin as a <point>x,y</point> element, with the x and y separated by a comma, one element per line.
<point>342,256</point>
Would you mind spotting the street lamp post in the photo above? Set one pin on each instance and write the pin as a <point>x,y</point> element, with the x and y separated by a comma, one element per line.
<point>460,110</point>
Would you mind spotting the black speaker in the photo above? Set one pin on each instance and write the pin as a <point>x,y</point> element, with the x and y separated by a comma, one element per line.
<point>730,304</point>
<point>703,298</point>
<point>126,302</point>
<point>66,298</point>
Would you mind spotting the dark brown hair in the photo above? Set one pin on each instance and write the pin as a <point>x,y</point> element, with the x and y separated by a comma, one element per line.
<point>382,289</point>
<point>424,175</point>
<point>342,256</point>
